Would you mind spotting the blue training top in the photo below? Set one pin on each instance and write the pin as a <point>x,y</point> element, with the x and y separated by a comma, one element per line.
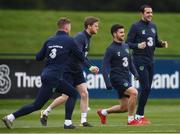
<point>58,50</point>
<point>118,60</point>
<point>143,31</point>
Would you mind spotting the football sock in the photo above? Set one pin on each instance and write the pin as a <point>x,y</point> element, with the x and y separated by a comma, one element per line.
<point>130,118</point>
<point>11,117</point>
<point>104,112</point>
<point>83,117</point>
<point>137,117</point>
<point>47,111</point>
<point>67,122</point>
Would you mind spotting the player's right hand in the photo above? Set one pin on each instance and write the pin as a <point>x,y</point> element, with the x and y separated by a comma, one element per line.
<point>142,45</point>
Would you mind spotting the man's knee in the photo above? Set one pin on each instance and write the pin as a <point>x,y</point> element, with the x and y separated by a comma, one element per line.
<point>64,97</point>
<point>84,94</point>
<point>134,93</point>
<point>124,108</point>
<point>37,106</point>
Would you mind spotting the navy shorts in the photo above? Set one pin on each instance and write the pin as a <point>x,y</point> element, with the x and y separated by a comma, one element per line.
<point>121,85</point>
<point>75,77</point>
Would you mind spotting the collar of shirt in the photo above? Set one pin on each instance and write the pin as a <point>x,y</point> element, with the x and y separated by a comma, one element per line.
<point>117,43</point>
<point>61,33</point>
<point>144,22</point>
<point>86,33</point>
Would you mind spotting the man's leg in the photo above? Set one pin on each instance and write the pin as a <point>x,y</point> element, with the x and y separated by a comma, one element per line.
<point>69,90</point>
<point>121,108</point>
<point>43,96</point>
<point>84,103</point>
<point>58,101</point>
<point>144,93</point>
<point>126,104</point>
<point>145,89</point>
<point>69,108</point>
<point>132,92</point>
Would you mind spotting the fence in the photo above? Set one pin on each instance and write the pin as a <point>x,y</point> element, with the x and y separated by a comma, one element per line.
<point>20,78</point>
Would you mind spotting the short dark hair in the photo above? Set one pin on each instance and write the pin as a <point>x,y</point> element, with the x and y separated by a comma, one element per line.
<point>90,20</point>
<point>63,21</point>
<point>115,28</point>
<point>141,9</point>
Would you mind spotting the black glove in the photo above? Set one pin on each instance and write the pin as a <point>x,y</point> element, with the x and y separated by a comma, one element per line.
<point>109,88</point>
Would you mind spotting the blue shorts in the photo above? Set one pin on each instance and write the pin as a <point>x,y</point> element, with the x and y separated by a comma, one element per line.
<point>75,77</point>
<point>121,85</point>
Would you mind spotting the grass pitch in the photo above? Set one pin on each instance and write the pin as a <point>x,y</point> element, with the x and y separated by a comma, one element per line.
<point>163,113</point>
<point>24,31</point>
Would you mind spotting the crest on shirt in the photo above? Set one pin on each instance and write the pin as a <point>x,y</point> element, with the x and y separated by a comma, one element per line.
<point>141,68</point>
<point>125,84</point>
<point>153,30</point>
<point>143,32</point>
<point>118,53</point>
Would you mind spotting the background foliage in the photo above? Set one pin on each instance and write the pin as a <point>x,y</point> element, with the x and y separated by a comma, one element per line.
<point>93,5</point>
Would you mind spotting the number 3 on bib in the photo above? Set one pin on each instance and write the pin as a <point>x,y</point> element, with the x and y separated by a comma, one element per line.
<point>125,61</point>
<point>150,41</point>
<point>53,53</point>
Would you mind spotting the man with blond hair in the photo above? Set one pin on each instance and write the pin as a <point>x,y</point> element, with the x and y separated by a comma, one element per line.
<point>76,77</point>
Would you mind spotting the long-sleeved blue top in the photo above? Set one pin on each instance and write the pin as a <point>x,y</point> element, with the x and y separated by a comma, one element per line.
<point>118,61</point>
<point>143,31</point>
<point>83,42</point>
<point>57,51</point>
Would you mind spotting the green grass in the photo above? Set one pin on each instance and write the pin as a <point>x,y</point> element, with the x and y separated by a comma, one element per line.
<point>163,113</point>
<point>25,31</point>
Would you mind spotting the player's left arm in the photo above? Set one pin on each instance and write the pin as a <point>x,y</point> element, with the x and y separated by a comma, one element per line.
<point>42,53</point>
<point>76,52</point>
